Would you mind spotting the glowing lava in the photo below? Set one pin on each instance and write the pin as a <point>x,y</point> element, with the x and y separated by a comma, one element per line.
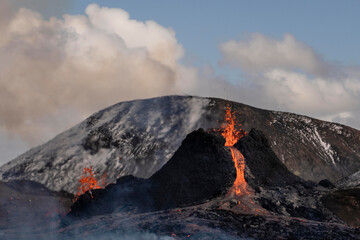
<point>239,186</point>
<point>88,182</point>
<point>232,135</point>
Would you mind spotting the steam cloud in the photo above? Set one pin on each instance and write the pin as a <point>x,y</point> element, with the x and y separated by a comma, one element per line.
<point>289,75</point>
<point>67,68</point>
<point>55,72</point>
<point>258,53</point>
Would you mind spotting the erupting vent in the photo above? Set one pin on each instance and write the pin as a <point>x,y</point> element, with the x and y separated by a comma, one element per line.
<point>232,135</point>
<point>88,182</point>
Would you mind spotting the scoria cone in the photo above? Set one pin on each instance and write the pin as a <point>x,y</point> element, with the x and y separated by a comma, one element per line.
<point>139,137</point>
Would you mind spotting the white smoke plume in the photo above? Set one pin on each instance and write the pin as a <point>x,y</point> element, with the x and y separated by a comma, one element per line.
<point>55,72</point>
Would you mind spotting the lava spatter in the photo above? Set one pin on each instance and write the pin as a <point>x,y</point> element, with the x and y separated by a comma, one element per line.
<point>88,182</point>
<point>232,134</point>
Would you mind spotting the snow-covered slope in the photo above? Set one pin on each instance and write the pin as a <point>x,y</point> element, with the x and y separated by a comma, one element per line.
<point>138,137</point>
<point>135,137</point>
<point>352,181</point>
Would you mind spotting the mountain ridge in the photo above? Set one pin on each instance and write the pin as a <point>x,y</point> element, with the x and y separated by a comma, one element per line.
<point>137,138</point>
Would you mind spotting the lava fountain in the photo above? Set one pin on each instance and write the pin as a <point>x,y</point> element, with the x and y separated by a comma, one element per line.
<point>88,182</point>
<point>232,134</point>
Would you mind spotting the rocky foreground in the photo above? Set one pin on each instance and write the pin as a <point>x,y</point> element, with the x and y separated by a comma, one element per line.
<point>188,198</point>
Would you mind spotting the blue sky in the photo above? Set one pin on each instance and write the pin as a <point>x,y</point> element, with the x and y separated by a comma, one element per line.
<point>328,26</point>
<point>296,56</point>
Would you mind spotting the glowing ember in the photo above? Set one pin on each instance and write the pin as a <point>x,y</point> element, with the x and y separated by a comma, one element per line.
<point>229,132</point>
<point>232,135</point>
<point>88,182</point>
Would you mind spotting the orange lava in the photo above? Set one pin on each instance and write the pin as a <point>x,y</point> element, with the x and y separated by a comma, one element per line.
<point>88,182</point>
<point>232,134</point>
<point>239,186</point>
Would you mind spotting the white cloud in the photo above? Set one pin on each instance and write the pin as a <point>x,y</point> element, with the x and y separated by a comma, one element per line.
<point>259,53</point>
<point>160,42</point>
<point>316,96</point>
<point>68,68</point>
<point>55,72</point>
<point>290,76</point>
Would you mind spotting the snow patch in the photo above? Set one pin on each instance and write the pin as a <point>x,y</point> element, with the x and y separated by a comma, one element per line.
<point>142,136</point>
<point>326,146</point>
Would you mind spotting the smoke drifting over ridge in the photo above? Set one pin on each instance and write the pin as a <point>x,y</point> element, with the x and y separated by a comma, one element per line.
<point>80,64</point>
<point>291,76</point>
<point>55,72</point>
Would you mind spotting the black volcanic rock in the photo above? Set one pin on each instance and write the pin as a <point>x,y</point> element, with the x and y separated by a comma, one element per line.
<point>201,169</point>
<point>344,203</point>
<point>138,137</point>
<point>264,165</point>
<point>278,190</point>
<point>326,184</point>
<point>99,138</point>
<point>128,192</point>
<point>29,187</point>
<point>25,204</point>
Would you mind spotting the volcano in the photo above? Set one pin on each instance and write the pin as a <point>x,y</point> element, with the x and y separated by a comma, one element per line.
<point>138,137</point>
<point>187,167</point>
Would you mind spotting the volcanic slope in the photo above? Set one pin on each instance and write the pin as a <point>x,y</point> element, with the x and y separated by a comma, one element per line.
<point>191,197</point>
<point>139,137</point>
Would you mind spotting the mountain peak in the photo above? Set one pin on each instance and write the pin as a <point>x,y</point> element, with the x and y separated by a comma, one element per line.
<point>138,137</point>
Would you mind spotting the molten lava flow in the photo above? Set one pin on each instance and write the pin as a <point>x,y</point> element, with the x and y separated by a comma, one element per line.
<point>232,135</point>
<point>88,182</point>
<point>239,186</point>
<point>228,130</point>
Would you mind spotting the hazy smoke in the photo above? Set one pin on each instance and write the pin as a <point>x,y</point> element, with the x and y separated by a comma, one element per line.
<point>289,75</point>
<point>258,53</point>
<point>55,72</point>
<point>67,68</point>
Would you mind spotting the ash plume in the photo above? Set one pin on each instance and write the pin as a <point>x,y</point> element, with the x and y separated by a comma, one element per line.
<point>55,72</point>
